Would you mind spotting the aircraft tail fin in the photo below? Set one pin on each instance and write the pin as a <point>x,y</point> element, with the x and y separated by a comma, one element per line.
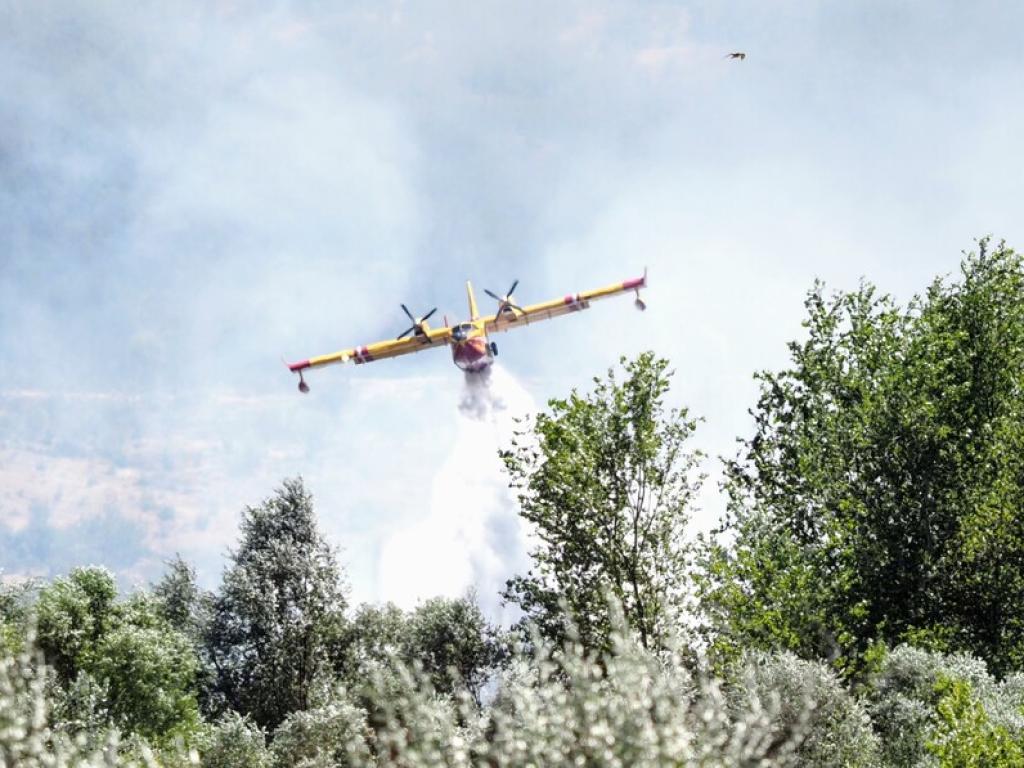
<point>473,313</point>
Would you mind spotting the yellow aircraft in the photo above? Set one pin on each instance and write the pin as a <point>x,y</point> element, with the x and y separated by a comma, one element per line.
<point>471,349</point>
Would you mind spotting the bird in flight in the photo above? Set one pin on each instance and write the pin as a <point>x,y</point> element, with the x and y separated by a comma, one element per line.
<point>738,55</point>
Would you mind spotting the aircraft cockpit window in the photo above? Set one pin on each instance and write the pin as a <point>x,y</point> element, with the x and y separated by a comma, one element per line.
<point>461,332</point>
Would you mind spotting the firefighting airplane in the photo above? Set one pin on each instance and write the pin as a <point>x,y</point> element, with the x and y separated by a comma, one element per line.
<point>471,349</point>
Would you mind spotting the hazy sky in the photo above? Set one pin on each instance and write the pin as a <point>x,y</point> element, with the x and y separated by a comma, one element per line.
<point>188,193</point>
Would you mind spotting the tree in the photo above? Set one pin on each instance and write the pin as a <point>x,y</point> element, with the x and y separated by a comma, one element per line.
<point>879,497</point>
<point>453,643</point>
<point>17,600</point>
<point>279,609</point>
<point>332,733</point>
<point>448,639</point>
<point>181,601</point>
<point>375,635</point>
<point>72,615</point>
<point>606,480</point>
<point>189,609</point>
<point>917,702</point>
<point>148,669</point>
<point>118,663</point>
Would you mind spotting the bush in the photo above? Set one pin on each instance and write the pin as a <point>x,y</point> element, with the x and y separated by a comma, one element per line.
<point>809,699</point>
<point>235,742</point>
<point>918,697</point>
<point>630,707</point>
<point>26,739</point>
<point>331,734</point>
<point>965,735</point>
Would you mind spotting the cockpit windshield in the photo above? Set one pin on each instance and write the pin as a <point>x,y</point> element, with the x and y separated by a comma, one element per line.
<point>461,332</point>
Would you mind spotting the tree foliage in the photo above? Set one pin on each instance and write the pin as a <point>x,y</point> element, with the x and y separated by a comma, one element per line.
<point>454,644</point>
<point>808,698</point>
<point>606,480</point>
<point>182,602</point>
<point>920,699</point>
<point>878,498</point>
<point>965,736</point>
<point>117,663</point>
<point>279,609</point>
<point>862,601</point>
<point>332,733</point>
<point>448,639</point>
<point>149,673</point>
<point>17,599</point>
<point>235,742</point>
<point>72,614</point>
<point>375,635</point>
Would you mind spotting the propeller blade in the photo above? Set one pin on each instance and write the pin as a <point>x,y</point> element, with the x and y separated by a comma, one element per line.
<point>427,316</point>
<point>516,307</point>
<point>493,295</point>
<point>513,288</point>
<point>406,333</point>
<point>408,314</point>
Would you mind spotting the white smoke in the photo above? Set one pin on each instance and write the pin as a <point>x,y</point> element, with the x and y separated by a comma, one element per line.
<point>472,536</point>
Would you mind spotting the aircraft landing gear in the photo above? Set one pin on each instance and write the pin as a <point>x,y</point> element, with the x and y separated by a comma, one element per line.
<point>494,349</point>
<point>303,386</point>
<point>639,303</point>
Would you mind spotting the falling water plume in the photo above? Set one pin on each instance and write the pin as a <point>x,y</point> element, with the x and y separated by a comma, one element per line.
<point>472,535</point>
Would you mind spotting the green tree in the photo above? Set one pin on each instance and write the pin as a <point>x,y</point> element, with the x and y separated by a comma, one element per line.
<point>453,643</point>
<point>148,669</point>
<point>189,609</point>
<point>72,614</point>
<point>118,663</point>
<point>17,601</point>
<point>375,635</point>
<point>879,497</point>
<point>449,639</point>
<point>605,478</point>
<point>913,704</point>
<point>331,734</point>
<point>280,608</point>
<point>181,601</point>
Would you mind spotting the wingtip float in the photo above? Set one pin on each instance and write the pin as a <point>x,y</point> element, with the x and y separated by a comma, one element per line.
<point>472,349</point>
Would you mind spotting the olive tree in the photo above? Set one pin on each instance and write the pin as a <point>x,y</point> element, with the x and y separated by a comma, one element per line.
<point>279,609</point>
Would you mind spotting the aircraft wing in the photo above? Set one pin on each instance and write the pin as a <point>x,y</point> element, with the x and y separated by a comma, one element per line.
<point>573,302</point>
<point>434,337</point>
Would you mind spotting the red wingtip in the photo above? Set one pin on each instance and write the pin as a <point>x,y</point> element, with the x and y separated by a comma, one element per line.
<point>299,366</point>
<point>636,282</point>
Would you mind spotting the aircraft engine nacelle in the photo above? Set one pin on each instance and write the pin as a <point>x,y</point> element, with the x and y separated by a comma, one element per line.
<point>419,326</point>
<point>506,303</point>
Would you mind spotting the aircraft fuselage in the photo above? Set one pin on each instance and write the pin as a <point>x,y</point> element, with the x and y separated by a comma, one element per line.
<point>471,350</point>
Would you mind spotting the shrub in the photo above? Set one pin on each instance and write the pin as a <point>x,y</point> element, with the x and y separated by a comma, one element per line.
<point>922,697</point>
<point>964,734</point>
<point>235,742</point>
<point>331,734</point>
<point>809,698</point>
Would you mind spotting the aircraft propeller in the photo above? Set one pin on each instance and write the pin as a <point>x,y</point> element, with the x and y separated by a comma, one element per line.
<point>417,325</point>
<point>505,302</point>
